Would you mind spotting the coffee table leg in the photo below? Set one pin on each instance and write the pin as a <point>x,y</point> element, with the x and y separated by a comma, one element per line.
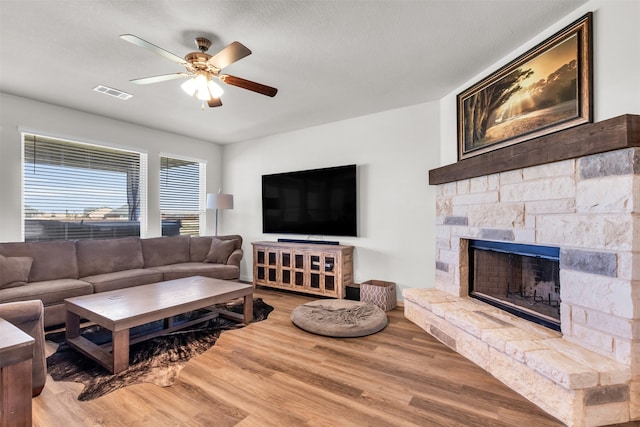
<point>248,309</point>
<point>120,350</point>
<point>72,326</point>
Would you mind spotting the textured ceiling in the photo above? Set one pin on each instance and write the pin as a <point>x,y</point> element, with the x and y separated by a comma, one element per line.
<point>331,60</point>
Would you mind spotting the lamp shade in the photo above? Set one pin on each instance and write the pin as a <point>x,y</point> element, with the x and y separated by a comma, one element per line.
<point>214,89</point>
<point>219,201</point>
<point>189,87</point>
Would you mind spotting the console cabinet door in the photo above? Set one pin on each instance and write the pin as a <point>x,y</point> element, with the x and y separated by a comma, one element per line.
<point>259,266</point>
<point>272,266</point>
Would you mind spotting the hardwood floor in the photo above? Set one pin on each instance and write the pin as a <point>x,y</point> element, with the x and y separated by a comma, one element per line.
<point>274,374</point>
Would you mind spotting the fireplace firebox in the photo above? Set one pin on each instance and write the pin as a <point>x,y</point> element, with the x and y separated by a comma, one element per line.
<point>521,279</point>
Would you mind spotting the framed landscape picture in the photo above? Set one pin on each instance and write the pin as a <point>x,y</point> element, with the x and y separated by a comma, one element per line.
<point>547,89</point>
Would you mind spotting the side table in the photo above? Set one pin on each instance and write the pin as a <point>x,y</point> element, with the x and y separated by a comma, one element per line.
<point>16,352</point>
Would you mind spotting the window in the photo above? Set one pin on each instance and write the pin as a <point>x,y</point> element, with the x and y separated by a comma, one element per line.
<point>182,196</point>
<point>74,190</point>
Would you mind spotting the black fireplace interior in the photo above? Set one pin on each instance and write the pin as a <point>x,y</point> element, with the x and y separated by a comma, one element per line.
<point>521,279</point>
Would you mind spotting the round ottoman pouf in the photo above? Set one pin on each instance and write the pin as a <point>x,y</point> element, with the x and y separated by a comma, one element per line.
<point>339,318</point>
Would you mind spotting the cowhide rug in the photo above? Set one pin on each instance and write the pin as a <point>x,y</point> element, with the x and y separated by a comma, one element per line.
<point>158,360</point>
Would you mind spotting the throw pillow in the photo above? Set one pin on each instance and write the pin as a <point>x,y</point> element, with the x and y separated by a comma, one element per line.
<point>14,271</point>
<point>220,251</point>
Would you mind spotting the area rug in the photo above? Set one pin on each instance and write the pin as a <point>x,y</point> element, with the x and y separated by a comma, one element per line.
<point>157,361</point>
<point>339,318</point>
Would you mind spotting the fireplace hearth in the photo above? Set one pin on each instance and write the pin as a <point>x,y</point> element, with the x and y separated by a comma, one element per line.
<point>523,280</point>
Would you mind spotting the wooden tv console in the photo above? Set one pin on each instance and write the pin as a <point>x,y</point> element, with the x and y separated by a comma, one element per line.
<point>304,267</point>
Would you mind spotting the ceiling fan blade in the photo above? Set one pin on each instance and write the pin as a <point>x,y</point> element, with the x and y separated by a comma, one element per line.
<point>229,55</point>
<point>156,79</point>
<point>249,85</point>
<point>153,48</point>
<point>215,102</point>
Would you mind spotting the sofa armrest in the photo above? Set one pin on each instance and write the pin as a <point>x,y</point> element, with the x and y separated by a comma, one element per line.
<point>29,317</point>
<point>235,257</point>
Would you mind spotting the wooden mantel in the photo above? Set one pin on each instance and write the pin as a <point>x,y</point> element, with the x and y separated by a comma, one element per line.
<point>608,135</point>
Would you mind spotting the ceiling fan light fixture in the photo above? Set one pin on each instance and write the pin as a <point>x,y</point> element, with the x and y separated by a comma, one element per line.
<point>202,87</point>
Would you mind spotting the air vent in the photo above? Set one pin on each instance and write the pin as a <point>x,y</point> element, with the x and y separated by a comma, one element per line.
<point>112,92</point>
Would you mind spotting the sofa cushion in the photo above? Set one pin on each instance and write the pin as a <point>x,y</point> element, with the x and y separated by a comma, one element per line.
<point>55,315</point>
<point>108,255</point>
<point>188,269</point>
<point>51,260</point>
<point>200,246</point>
<point>165,250</point>
<point>123,279</point>
<point>14,271</point>
<point>220,251</point>
<point>49,292</point>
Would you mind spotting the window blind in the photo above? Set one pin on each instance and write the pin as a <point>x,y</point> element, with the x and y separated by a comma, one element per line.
<point>181,196</point>
<point>74,190</point>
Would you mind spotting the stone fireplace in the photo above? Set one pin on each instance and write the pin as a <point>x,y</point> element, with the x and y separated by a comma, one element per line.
<point>578,193</point>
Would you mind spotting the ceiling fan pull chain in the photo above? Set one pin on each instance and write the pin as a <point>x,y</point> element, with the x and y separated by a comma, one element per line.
<point>202,107</point>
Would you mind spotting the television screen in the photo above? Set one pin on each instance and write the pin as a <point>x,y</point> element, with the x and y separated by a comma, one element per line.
<point>312,202</point>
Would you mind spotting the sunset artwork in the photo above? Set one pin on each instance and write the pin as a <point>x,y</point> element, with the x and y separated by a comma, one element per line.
<point>539,92</point>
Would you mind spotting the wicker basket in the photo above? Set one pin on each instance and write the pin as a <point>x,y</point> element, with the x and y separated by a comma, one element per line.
<point>380,293</point>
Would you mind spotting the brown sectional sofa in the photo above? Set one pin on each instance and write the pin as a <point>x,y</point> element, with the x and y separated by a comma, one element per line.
<point>65,269</point>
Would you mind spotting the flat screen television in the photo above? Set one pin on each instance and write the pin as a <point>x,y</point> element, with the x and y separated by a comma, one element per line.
<point>311,202</point>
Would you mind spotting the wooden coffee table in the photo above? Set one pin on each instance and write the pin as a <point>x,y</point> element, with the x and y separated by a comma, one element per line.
<point>123,309</point>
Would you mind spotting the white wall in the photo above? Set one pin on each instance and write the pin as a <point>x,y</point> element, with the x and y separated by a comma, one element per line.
<point>393,151</point>
<point>18,114</point>
<point>616,65</point>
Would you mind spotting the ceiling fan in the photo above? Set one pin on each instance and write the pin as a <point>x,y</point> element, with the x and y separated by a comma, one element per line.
<point>202,69</point>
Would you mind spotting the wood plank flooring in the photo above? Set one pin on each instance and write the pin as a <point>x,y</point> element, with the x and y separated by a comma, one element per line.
<point>274,374</point>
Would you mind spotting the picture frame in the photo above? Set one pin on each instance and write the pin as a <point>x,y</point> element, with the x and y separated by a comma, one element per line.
<point>545,90</point>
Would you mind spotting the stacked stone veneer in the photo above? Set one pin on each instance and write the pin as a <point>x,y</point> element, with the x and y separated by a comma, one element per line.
<point>588,207</point>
